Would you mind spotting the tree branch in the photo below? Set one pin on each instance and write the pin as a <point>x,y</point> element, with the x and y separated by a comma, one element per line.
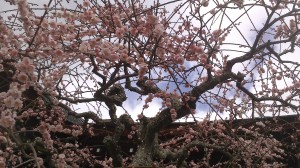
<point>253,97</point>
<point>182,154</point>
<point>86,115</point>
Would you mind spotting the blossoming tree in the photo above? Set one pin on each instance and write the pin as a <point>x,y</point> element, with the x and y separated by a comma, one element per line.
<point>216,59</point>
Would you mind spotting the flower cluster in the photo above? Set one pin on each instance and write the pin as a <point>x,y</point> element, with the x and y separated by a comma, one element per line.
<point>7,118</point>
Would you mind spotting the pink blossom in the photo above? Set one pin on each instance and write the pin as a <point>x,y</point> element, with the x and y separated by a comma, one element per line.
<point>141,60</point>
<point>76,133</point>
<point>2,162</point>
<point>106,52</point>
<point>117,21</point>
<point>59,128</point>
<point>114,57</point>
<point>158,30</point>
<point>18,104</point>
<point>179,60</point>
<point>26,61</point>
<point>123,56</point>
<point>93,32</point>
<point>40,160</point>
<point>120,32</point>
<point>22,5</point>
<point>49,143</point>
<point>24,13</point>
<point>53,24</point>
<point>61,156</point>
<point>3,140</point>
<point>297,84</point>
<point>22,77</point>
<point>84,47</point>
<point>133,31</point>
<point>14,52</point>
<point>216,34</point>
<point>151,19</point>
<point>46,135</point>
<point>203,60</point>
<point>7,119</point>
<point>86,3</point>
<point>48,83</point>
<point>9,102</point>
<point>58,52</point>
<point>26,66</point>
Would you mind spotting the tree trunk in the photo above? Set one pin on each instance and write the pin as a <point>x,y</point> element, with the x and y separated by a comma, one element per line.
<point>145,152</point>
<point>143,157</point>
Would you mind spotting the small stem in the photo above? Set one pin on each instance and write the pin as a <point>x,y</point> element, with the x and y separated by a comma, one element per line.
<point>23,163</point>
<point>34,155</point>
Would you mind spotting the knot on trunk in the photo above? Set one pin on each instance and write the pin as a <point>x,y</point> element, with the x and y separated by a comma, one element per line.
<point>117,94</point>
<point>147,86</point>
